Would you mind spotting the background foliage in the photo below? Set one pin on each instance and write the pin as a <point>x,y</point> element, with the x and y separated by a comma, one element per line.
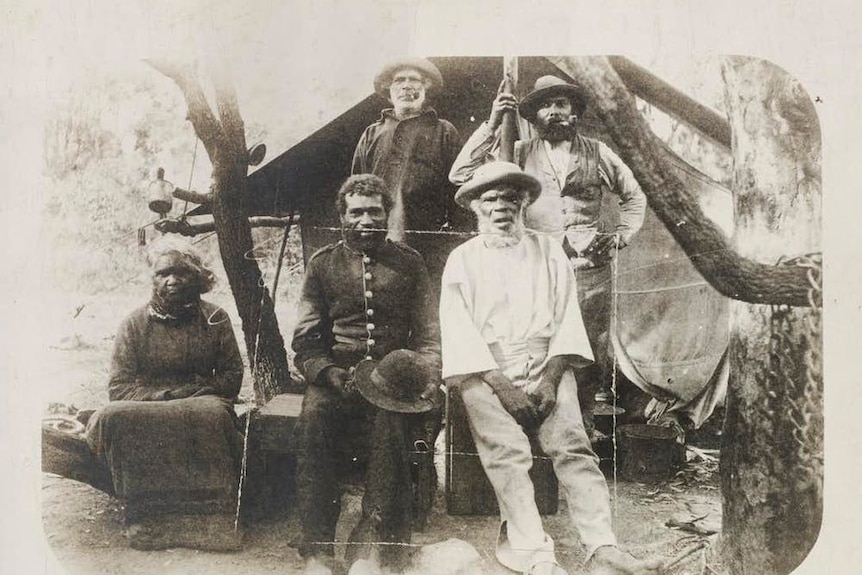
<point>107,134</point>
<point>104,140</point>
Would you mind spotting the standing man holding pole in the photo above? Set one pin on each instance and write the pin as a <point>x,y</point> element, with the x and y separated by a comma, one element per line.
<point>574,172</point>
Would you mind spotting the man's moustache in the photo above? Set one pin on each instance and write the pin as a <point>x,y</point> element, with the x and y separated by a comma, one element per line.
<point>563,122</point>
<point>366,232</point>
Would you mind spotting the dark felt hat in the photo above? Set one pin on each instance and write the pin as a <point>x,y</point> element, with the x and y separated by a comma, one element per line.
<point>396,382</point>
<point>384,77</point>
<point>549,86</point>
<point>494,174</point>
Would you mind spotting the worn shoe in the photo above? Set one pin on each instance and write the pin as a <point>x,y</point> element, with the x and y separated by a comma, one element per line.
<point>610,560</point>
<point>546,568</point>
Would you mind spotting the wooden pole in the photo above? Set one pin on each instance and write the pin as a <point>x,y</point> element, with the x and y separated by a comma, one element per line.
<point>184,228</point>
<point>509,127</point>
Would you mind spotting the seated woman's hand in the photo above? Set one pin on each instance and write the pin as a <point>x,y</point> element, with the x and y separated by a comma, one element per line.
<point>185,391</point>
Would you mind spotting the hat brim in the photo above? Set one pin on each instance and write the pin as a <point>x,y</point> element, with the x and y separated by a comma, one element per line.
<point>477,186</point>
<point>368,384</point>
<point>529,106</point>
<point>383,79</point>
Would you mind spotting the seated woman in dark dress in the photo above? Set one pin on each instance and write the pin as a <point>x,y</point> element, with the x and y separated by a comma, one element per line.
<point>168,435</point>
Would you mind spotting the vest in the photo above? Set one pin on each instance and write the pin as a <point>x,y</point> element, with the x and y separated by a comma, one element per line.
<point>577,201</point>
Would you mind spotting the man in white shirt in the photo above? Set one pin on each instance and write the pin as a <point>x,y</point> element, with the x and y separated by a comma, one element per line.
<point>511,335</point>
<point>575,172</point>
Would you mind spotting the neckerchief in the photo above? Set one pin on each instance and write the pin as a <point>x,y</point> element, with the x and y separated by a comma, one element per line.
<point>160,310</point>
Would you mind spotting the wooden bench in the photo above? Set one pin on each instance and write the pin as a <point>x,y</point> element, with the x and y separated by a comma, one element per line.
<point>271,463</point>
<point>272,443</point>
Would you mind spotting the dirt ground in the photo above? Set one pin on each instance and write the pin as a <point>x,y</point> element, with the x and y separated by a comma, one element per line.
<point>84,527</point>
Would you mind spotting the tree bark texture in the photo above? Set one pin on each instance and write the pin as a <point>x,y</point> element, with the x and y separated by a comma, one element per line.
<point>223,138</point>
<point>772,452</point>
<point>711,252</point>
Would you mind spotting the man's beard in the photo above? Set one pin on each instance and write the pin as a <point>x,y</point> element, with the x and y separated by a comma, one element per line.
<point>410,105</point>
<point>496,238</point>
<point>556,131</point>
<point>354,238</point>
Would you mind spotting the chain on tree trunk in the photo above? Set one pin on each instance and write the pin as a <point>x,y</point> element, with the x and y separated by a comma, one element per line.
<point>796,362</point>
<point>791,413</point>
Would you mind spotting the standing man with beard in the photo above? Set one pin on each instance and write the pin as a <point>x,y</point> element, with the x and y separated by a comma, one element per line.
<point>363,297</point>
<point>511,336</point>
<point>575,172</point>
<point>412,149</point>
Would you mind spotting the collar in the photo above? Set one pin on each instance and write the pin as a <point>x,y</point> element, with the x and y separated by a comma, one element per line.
<point>172,315</point>
<point>564,145</point>
<point>358,253</point>
<point>390,113</point>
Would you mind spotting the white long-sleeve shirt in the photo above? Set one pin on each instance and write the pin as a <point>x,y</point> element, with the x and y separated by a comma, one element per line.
<point>509,308</point>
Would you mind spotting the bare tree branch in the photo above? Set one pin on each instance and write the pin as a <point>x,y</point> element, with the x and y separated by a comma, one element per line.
<point>225,144</point>
<point>204,121</point>
<point>185,228</point>
<point>710,250</point>
<point>192,196</point>
<point>228,109</point>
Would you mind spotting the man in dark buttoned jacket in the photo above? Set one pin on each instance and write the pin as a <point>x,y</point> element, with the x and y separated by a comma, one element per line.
<point>362,298</point>
<point>412,149</point>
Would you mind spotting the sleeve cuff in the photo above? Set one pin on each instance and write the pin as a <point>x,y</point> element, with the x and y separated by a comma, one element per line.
<point>313,367</point>
<point>486,131</point>
<point>625,235</point>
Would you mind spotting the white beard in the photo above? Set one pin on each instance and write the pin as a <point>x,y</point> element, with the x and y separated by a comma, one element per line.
<point>409,108</point>
<point>495,239</point>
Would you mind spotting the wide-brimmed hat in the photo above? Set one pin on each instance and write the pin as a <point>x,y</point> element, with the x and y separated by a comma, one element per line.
<point>396,382</point>
<point>384,77</point>
<point>494,174</point>
<point>549,86</point>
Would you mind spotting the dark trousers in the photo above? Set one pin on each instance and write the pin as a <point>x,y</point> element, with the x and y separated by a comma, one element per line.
<point>336,434</point>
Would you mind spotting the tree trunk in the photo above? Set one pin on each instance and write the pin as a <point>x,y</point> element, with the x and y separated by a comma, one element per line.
<point>710,251</point>
<point>771,458</point>
<point>224,140</point>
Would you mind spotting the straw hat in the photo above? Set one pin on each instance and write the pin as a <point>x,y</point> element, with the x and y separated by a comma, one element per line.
<point>494,174</point>
<point>384,77</point>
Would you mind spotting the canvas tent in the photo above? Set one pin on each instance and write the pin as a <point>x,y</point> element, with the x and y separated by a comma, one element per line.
<point>671,330</point>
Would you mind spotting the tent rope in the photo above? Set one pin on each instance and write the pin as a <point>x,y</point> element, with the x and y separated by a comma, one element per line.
<point>613,327</point>
<point>253,367</point>
<point>191,175</point>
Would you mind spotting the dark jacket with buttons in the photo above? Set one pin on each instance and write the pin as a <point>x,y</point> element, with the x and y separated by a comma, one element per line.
<point>413,157</point>
<point>354,306</point>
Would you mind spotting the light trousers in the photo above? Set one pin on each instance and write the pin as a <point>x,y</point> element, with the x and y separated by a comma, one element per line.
<point>504,450</point>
